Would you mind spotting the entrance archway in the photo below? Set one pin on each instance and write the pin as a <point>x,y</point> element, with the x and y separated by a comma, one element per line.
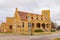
<point>10,27</point>
<point>38,25</point>
<point>43,25</point>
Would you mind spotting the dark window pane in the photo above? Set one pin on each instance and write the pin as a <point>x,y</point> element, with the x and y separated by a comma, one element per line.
<point>23,24</point>
<point>38,25</point>
<point>41,18</point>
<point>26,17</point>
<point>31,17</point>
<point>43,25</point>
<point>10,27</point>
<point>37,18</point>
<point>32,24</point>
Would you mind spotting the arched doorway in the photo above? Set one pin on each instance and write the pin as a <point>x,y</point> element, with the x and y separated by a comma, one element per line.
<point>38,25</point>
<point>10,27</point>
<point>32,24</point>
<point>43,25</point>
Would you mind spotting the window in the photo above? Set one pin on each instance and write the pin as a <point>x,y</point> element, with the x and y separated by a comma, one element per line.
<point>29,24</point>
<point>43,25</point>
<point>32,24</point>
<point>23,24</point>
<point>26,17</point>
<point>37,18</point>
<point>32,18</point>
<point>41,18</point>
<point>38,25</point>
<point>10,27</point>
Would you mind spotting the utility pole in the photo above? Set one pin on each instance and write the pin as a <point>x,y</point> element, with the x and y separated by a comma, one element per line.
<point>31,30</point>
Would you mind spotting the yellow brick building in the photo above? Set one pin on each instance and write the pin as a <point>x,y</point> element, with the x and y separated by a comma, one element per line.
<point>25,22</point>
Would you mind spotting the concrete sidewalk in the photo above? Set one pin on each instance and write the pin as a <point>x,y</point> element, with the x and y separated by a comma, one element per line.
<point>29,37</point>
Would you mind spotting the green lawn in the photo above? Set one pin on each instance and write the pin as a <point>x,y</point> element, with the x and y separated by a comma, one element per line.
<point>56,39</point>
<point>28,33</point>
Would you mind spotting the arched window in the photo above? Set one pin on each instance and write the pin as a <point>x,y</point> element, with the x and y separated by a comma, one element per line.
<point>23,24</point>
<point>38,25</point>
<point>26,17</point>
<point>10,27</point>
<point>37,18</point>
<point>41,18</point>
<point>32,24</point>
<point>32,18</point>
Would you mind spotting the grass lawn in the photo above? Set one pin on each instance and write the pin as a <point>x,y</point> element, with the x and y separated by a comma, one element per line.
<point>42,33</point>
<point>28,33</point>
<point>56,39</point>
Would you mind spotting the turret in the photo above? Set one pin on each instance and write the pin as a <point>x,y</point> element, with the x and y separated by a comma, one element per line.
<point>16,10</point>
<point>46,14</point>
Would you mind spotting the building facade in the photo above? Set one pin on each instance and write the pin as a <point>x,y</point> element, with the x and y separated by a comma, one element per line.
<point>25,22</point>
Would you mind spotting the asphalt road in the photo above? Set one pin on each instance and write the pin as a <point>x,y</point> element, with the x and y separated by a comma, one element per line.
<point>29,37</point>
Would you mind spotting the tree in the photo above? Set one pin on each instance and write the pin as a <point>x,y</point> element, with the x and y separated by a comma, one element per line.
<point>53,25</point>
<point>58,28</point>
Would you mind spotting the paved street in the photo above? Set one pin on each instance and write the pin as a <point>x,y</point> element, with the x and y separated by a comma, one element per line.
<point>29,37</point>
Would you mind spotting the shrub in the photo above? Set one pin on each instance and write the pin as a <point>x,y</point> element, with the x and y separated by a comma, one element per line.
<point>39,30</point>
<point>53,30</point>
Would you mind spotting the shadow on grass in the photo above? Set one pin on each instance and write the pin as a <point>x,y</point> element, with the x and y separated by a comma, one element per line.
<point>56,39</point>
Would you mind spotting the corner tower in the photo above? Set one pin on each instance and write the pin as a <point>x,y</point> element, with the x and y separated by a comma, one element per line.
<point>46,14</point>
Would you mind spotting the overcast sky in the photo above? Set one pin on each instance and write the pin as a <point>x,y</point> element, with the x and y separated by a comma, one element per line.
<point>7,8</point>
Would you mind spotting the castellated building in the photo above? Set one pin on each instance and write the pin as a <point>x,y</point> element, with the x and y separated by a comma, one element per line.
<point>25,22</point>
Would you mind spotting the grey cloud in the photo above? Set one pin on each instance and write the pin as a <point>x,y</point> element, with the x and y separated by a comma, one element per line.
<point>8,7</point>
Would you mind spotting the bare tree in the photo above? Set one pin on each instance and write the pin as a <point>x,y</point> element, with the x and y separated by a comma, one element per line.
<point>53,25</point>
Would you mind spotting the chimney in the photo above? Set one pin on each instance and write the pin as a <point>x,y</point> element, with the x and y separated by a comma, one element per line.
<point>16,9</point>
